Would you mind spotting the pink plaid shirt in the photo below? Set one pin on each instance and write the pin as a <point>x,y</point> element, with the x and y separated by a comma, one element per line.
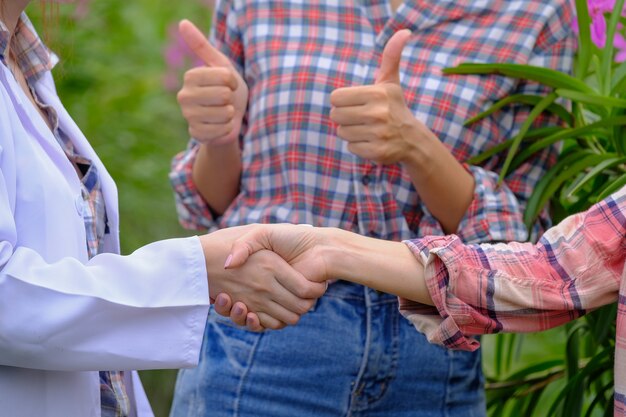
<point>293,54</point>
<point>577,266</point>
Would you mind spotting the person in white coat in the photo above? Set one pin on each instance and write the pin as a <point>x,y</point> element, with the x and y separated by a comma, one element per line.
<point>71,307</point>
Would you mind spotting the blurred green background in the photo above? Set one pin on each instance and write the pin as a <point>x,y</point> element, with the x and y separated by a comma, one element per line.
<point>112,78</point>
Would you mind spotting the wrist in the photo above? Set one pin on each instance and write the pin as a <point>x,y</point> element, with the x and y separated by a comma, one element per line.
<point>424,146</point>
<point>345,254</point>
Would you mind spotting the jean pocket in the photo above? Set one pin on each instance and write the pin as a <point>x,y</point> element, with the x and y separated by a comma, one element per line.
<point>229,341</point>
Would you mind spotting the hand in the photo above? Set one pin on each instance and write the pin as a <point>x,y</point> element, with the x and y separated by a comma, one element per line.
<point>297,244</point>
<point>266,284</point>
<point>374,119</point>
<point>213,99</point>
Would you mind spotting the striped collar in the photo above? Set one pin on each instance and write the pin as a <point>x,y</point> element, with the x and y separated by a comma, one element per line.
<point>32,56</point>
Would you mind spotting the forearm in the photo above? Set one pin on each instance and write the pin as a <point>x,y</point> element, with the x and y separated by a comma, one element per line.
<point>445,187</point>
<point>383,265</point>
<point>216,174</point>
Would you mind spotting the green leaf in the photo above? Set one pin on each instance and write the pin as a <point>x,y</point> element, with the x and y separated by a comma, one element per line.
<point>535,112</point>
<point>584,39</point>
<point>530,135</point>
<point>592,99</point>
<point>610,161</point>
<point>546,76</point>
<point>550,183</point>
<point>612,187</point>
<point>600,398</point>
<point>607,56</point>
<point>554,108</point>
<point>619,81</point>
<point>600,362</point>
<point>602,322</point>
<point>572,405</point>
<point>578,132</point>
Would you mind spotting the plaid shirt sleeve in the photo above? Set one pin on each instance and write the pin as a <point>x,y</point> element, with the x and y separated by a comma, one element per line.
<point>496,212</point>
<point>193,211</point>
<point>521,287</point>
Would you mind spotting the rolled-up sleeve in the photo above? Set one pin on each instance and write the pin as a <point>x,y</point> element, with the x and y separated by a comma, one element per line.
<point>496,211</point>
<point>193,211</point>
<point>576,267</point>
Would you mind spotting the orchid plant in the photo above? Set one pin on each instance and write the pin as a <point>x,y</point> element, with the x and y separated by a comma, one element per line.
<point>591,104</point>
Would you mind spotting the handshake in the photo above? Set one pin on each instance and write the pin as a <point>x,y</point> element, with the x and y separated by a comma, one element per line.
<point>267,276</point>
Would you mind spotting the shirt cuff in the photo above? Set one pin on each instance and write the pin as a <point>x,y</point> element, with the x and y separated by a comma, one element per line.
<point>442,323</point>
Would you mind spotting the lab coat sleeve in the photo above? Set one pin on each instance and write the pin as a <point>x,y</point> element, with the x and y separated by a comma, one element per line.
<point>142,311</point>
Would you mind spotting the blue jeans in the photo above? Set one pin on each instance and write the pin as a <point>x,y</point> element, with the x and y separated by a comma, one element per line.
<point>353,355</point>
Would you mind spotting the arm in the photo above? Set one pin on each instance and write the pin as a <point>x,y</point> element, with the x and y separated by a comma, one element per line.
<point>517,287</point>
<point>213,100</point>
<point>495,212</point>
<point>461,199</point>
<point>575,267</point>
<point>378,125</point>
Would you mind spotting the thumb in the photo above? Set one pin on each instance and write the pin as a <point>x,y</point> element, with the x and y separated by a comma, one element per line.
<point>201,46</point>
<point>245,246</point>
<point>389,71</point>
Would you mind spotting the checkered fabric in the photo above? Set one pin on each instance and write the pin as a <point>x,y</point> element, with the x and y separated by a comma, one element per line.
<point>577,266</point>
<point>293,54</point>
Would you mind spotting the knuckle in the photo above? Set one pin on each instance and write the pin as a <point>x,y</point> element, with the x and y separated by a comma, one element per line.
<point>304,306</point>
<point>224,96</point>
<point>379,93</point>
<point>342,132</point>
<point>293,319</point>
<point>276,325</point>
<point>378,115</point>
<point>193,76</point>
<point>182,96</point>
<point>229,112</point>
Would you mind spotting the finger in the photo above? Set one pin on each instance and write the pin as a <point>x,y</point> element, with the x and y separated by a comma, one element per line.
<point>366,150</point>
<point>239,313</point>
<point>349,96</point>
<point>362,133</point>
<point>200,45</point>
<point>211,76</point>
<point>209,133</point>
<point>281,313</point>
<point>389,71</point>
<point>223,304</point>
<point>270,322</point>
<point>206,96</point>
<point>253,323</point>
<point>209,114</point>
<point>348,116</point>
<point>246,245</point>
<point>303,289</point>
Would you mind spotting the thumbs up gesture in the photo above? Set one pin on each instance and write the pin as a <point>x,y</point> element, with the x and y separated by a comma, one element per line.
<point>213,98</point>
<point>374,119</point>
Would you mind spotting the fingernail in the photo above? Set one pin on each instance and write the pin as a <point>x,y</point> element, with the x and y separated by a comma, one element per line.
<point>221,301</point>
<point>228,261</point>
<point>238,311</point>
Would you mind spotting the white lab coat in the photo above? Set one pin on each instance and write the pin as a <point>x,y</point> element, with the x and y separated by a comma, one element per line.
<point>64,317</point>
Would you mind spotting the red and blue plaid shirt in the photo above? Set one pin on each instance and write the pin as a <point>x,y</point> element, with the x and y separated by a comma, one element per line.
<point>33,59</point>
<point>293,54</point>
<point>575,267</point>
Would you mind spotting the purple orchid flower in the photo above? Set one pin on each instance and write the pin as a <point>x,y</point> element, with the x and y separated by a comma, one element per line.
<point>598,27</point>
